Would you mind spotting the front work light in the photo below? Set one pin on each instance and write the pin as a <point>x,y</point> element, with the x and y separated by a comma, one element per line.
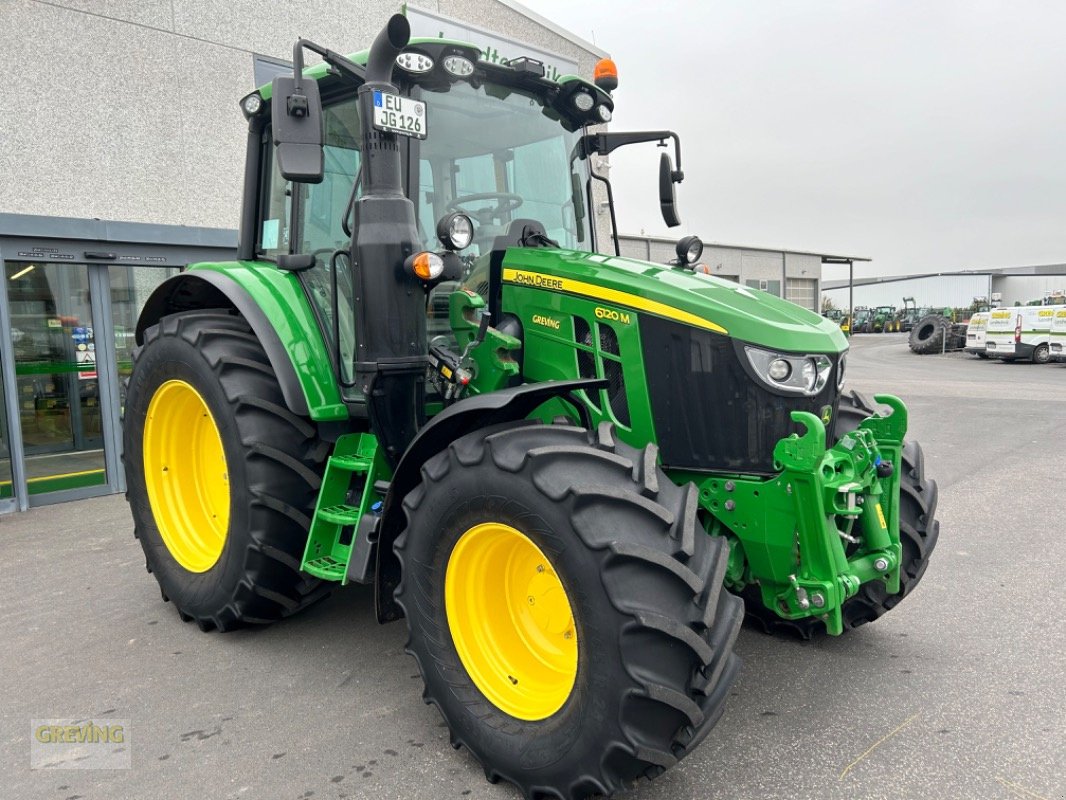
<point>455,231</point>
<point>252,104</point>
<point>459,66</point>
<point>583,101</point>
<point>414,62</point>
<point>689,249</point>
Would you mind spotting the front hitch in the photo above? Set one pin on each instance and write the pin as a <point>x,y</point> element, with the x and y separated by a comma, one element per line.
<point>828,523</point>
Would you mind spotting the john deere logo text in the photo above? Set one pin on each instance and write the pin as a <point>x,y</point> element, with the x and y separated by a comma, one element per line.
<point>547,322</point>
<point>535,279</point>
<point>612,314</point>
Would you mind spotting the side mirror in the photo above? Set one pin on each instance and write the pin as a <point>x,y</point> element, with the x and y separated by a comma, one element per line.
<point>667,196</point>
<point>296,119</point>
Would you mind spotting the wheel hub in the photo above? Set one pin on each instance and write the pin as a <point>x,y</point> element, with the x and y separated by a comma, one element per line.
<point>511,621</point>
<point>186,475</point>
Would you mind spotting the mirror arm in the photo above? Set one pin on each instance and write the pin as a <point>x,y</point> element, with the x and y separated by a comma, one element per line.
<point>605,143</point>
<point>344,66</point>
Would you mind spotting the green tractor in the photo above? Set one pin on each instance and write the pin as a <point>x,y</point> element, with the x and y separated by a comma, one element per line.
<point>884,320</point>
<point>863,320</point>
<point>570,473</point>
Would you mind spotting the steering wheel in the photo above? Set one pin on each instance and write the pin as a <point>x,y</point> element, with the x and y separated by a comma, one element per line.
<point>505,203</point>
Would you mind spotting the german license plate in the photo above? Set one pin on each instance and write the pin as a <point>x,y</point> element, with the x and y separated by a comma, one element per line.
<point>400,115</point>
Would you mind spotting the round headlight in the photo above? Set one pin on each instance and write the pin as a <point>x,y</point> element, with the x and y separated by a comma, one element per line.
<point>252,104</point>
<point>455,231</point>
<point>689,250</point>
<point>458,66</point>
<point>414,62</point>
<point>584,101</point>
<point>810,374</point>
<point>605,113</point>
<point>779,369</point>
<point>842,369</point>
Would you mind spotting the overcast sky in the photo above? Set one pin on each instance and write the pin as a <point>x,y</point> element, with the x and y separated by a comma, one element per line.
<point>927,135</point>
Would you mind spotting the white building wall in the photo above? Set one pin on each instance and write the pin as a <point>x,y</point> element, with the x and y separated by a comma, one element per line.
<point>939,290</point>
<point>1023,289</point>
<point>127,109</point>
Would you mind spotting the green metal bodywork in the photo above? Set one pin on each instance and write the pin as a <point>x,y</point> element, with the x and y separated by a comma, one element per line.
<point>282,299</point>
<point>784,531</point>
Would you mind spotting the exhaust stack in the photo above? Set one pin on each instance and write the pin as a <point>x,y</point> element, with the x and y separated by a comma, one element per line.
<point>390,312</point>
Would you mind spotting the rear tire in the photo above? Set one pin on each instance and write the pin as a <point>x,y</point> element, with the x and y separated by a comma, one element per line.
<point>273,460</point>
<point>1042,354</point>
<point>918,533</point>
<point>654,628</point>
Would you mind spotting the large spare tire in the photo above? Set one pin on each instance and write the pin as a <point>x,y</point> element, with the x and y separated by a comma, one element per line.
<point>928,335</point>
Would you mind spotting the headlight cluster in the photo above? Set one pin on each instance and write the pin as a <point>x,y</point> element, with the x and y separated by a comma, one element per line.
<point>789,372</point>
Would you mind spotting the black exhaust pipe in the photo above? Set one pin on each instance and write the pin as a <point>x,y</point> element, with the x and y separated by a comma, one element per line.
<point>390,305</point>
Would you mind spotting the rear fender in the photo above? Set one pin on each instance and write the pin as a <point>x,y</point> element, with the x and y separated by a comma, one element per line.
<point>274,304</point>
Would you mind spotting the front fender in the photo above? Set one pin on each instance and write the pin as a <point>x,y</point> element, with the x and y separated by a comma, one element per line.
<point>459,419</point>
<point>274,304</point>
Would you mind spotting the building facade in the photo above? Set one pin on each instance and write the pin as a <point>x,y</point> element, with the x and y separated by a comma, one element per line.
<point>1004,286</point>
<point>794,275</point>
<point>123,157</point>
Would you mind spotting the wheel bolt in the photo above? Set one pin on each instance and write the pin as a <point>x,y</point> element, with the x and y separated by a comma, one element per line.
<point>730,505</point>
<point>881,564</point>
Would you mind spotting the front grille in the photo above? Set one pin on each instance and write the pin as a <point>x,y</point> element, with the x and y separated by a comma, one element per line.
<point>709,413</point>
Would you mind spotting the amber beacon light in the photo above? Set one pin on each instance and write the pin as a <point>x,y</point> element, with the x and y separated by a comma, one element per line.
<point>605,75</point>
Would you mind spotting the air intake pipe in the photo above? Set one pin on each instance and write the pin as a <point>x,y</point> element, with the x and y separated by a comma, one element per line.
<point>390,305</point>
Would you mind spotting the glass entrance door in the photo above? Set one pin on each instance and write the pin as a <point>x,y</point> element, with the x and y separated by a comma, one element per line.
<point>7,489</point>
<point>57,384</point>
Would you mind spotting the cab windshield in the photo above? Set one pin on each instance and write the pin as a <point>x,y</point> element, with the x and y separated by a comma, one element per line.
<point>498,155</point>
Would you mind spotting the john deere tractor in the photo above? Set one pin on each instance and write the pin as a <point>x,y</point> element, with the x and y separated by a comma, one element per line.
<point>570,473</point>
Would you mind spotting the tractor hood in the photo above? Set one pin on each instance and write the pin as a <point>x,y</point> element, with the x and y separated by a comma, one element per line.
<point>702,300</point>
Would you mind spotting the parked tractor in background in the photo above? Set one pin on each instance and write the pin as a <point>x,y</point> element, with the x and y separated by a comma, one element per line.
<point>862,320</point>
<point>574,489</point>
<point>884,320</point>
<point>909,316</point>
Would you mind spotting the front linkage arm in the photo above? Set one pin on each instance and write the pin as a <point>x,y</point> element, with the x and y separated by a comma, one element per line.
<point>825,525</point>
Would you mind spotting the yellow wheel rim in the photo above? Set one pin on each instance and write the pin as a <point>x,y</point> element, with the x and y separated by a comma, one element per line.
<point>185,472</point>
<point>510,621</point>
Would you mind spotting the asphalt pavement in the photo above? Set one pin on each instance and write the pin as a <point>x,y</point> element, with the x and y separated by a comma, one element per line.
<point>959,692</point>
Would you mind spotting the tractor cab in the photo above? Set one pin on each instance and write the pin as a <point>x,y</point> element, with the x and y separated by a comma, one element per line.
<point>490,156</point>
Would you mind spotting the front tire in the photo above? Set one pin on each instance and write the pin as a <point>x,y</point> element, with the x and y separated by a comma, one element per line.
<point>221,476</point>
<point>637,585</point>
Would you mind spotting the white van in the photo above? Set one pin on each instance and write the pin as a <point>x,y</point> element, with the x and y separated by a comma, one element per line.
<point>975,334</point>
<point>1021,332</point>
<point>1058,336</point>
